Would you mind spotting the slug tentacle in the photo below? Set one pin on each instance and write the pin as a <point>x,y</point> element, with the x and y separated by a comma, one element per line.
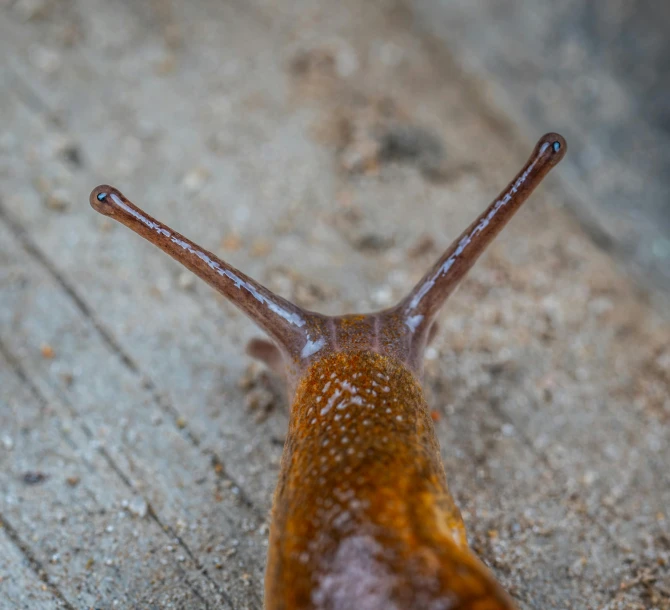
<point>266,352</point>
<point>419,309</point>
<point>291,327</point>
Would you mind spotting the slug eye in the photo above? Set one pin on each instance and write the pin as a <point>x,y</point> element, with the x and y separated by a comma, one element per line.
<point>103,199</point>
<point>556,146</point>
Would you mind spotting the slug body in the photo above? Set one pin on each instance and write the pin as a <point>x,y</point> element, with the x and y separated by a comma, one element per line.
<point>362,515</point>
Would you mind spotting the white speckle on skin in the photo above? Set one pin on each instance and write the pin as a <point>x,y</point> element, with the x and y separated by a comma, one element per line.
<point>352,389</point>
<point>412,322</point>
<point>331,401</point>
<point>311,347</point>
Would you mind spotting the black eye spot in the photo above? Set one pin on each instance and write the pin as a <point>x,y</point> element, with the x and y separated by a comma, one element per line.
<point>101,196</point>
<point>556,146</point>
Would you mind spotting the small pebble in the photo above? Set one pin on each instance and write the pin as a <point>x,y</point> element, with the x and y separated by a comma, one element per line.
<point>57,200</point>
<point>186,280</point>
<point>231,242</point>
<point>195,179</point>
<point>260,247</point>
<point>261,401</point>
<point>424,245</point>
<point>382,296</point>
<point>138,507</point>
<point>47,351</point>
<point>72,153</point>
<point>34,478</point>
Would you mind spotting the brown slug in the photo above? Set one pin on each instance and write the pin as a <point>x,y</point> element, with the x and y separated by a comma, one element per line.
<point>362,517</point>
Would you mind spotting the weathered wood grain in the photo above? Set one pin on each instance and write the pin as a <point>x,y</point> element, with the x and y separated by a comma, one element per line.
<point>21,586</point>
<point>225,120</point>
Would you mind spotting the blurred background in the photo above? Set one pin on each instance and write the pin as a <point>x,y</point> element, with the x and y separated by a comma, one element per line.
<point>331,150</point>
<point>599,72</point>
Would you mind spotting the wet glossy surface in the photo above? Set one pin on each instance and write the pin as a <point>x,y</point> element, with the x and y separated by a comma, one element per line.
<point>363,517</point>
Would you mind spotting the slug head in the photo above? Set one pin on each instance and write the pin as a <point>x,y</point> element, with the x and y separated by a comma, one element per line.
<point>299,336</point>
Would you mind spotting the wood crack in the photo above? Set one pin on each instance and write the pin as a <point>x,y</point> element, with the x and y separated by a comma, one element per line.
<point>34,563</point>
<point>168,531</point>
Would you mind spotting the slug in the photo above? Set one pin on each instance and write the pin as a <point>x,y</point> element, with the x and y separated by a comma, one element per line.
<point>362,516</point>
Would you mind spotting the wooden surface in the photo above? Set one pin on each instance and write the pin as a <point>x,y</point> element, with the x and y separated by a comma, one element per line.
<point>598,73</point>
<point>330,150</point>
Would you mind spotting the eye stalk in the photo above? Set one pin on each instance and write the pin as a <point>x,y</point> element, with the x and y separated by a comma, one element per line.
<point>422,304</point>
<point>286,323</point>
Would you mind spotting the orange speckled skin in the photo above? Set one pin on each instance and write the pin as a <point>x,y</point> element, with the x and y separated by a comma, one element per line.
<point>362,515</point>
